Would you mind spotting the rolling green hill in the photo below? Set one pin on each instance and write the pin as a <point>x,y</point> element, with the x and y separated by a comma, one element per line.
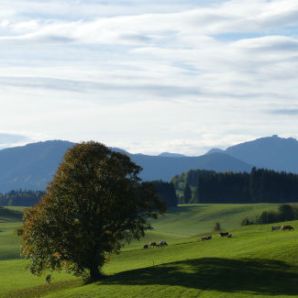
<point>255,262</point>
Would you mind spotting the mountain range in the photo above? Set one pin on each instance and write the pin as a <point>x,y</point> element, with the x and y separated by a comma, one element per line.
<point>32,166</point>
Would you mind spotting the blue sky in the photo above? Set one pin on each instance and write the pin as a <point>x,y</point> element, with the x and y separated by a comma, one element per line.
<point>148,76</point>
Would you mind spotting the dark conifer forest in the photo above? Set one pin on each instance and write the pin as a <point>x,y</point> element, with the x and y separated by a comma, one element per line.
<point>258,186</point>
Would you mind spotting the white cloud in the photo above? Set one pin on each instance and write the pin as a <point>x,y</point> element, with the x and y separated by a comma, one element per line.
<point>13,139</point>
<point>149,76</point>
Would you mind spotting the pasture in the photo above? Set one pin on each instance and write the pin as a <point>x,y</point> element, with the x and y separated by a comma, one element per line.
<point>255,262</point>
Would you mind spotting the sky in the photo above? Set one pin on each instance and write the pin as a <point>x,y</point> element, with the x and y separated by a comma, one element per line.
<point>148,76</point>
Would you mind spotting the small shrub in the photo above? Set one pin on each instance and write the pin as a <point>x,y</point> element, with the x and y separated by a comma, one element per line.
<point>246,222</point>
<point>217,227</point>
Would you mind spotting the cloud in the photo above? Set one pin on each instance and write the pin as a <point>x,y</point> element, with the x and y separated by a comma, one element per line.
<point>270,44</point>
<point>9,140</point>
<point>145,26</point>
<point>285,112</point>
<point>89,86</point>
<point>142,73</point>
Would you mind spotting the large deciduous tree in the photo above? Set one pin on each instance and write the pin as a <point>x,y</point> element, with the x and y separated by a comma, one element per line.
<point>95,203</point>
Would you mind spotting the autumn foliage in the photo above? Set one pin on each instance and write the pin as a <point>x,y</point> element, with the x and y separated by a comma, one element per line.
<point>95,204</point>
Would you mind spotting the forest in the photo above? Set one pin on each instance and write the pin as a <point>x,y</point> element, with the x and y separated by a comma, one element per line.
<point>164,190</point>
<point>258,186</point>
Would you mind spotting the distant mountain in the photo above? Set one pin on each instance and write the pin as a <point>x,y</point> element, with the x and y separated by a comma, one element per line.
<point>33,166</point>
<point>280,154</point>
<point>169,154</point>
<point>215,150</point>
<point>165,168</point>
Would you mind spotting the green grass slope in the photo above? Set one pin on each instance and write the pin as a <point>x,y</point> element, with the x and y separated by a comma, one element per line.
<point>254,263</point>
<point>196,219</point>
<point>9,222</point>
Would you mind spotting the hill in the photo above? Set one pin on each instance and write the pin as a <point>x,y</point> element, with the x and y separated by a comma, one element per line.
<point>280,154</point>
<point>31,167</point>
<point>169,154</point>
<point>164,168</point>
<point>255,262</point>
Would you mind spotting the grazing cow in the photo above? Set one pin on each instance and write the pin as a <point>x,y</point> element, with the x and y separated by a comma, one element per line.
<point>153,244</point>
<point>287,228</point>
<point>275,228</point>
<point>162,243</point>
<point>224,234</point>
<point>146,246</point>
<point>206,238</point>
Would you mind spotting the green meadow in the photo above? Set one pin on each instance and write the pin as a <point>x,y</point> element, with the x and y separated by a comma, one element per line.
<point>255,262</point>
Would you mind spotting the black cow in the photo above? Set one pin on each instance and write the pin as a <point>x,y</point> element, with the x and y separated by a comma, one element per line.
<point>287,228</point>
<point>153,244</point>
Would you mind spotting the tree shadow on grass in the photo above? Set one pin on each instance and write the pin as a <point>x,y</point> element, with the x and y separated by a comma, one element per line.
<point>258,276</point>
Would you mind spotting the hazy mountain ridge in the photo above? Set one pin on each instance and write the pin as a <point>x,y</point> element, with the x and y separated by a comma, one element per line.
<point>165,168</point>
<point>33,166</point>
<point>276,153</point>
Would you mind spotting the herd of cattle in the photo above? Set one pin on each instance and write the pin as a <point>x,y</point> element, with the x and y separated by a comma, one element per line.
<point>163,243</point>
<point>221,234</point>
<point>273,228</point>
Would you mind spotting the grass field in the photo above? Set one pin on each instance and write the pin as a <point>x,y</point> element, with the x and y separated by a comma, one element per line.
<point>254,263</point>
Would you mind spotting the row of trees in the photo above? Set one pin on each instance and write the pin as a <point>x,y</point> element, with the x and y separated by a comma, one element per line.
<point>164,190</point>
<point>20,198</point>
<point>259,185</point>
<point>285,212</point>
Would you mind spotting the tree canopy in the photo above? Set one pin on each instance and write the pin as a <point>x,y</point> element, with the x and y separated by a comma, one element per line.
<point>95,204</point>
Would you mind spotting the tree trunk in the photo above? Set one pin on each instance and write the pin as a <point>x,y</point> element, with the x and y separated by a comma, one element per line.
<point>94,273</point>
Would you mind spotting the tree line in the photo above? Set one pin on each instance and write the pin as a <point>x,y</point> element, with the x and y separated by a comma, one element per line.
<point>164,190</point>
<point>285,212</point>
<point>166,193</point>
<point>258,186</point>
<point>20,198</point>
